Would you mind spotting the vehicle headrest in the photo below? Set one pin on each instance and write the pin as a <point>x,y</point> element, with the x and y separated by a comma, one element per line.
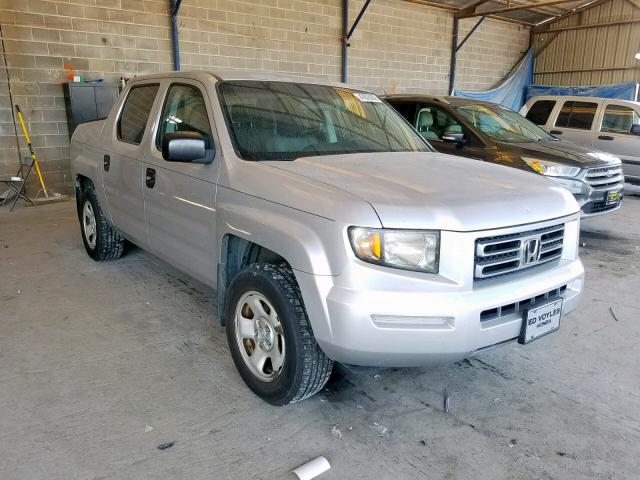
<point>425,118</point>
<point>453,129</point>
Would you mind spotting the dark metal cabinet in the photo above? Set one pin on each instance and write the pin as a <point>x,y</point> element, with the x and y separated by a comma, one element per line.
<point>86,102</point>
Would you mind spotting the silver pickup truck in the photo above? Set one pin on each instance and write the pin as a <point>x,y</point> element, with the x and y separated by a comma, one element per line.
<point>329,228</point>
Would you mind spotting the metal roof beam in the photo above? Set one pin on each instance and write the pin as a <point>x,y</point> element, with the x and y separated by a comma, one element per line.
<point>471,32</point>
<point>544,46</point>
<point>571,12</point>
<point>592,25</point>
<point>514,9</point>
<point>358,18</point>
<point>541,11</point>
<point>470,9</point>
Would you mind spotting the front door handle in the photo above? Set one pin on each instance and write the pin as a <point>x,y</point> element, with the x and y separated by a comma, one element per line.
<point>106,163</point>
<point>605,137</point>
<point>150,177</point>
<point>555,132</point>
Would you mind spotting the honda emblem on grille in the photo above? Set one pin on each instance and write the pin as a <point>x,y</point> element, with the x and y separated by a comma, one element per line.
<point>530,251</point>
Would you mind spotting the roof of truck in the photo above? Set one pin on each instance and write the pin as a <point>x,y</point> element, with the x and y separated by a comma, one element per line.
<point>447,100</point>
<point>580,98</point>
<point>229,74</point>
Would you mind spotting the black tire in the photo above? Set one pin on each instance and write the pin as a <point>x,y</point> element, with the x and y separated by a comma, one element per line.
<point>305,369</point>
<point>106,243</point>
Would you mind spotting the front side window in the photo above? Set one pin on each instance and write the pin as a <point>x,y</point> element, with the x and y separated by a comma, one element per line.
<point>135,113</point>
<point>502,124</point>
<point>285,121</point>
<point>578,115</point>
<point>433,122</point>
<point>619,119</point>
<point>184,111</point>
<point>540,111</point>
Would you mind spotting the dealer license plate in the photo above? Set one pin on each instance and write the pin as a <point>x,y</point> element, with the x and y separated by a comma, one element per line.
<point>613,197</point>
<point>540,321</point>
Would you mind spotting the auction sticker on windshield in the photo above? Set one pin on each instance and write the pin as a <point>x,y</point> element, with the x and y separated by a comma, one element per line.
<point>540,321</point>
<point>367,97</point>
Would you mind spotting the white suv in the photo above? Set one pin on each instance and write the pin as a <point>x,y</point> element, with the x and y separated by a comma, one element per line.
<point>610,125</point>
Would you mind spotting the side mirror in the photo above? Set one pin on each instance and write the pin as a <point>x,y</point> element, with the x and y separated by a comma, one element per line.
<point>635,129</point>
<point>453,138</point>
<point>185,147</point>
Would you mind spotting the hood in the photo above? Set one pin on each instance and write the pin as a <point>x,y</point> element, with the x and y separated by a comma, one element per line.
<point>561,152</point>
<point>438,191</point>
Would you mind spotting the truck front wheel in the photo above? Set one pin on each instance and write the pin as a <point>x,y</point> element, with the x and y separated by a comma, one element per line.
<point>101,240</point>
<point>270,337</point>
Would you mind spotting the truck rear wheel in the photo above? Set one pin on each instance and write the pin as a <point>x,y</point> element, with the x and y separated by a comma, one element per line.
<point>270,337</point>
<point>101,241</point>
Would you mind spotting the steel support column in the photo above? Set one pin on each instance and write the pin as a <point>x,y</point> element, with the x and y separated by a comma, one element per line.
<point>345,40</point>
<point>454,55</point>
<point>455,47</point>
<point>347,33</point>
<point>175,7</point>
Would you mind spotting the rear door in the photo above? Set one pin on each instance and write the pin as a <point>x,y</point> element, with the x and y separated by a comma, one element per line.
<point>179,198</point>
<point>122,166</point>
<point>575,122</point>
<point>614,135</point>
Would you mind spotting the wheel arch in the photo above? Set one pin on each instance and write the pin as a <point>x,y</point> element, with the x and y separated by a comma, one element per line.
<point>237,253</point>
<point>80,183</point>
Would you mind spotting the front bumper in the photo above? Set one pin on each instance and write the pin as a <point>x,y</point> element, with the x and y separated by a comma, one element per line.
<point>592,201</point>
<point>376,316</point>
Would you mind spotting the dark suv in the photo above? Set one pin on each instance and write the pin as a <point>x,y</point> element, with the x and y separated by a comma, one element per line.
<point>493,133</point>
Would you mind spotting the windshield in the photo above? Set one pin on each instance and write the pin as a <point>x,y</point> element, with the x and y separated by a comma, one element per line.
<point>502,124</point>
<point>285,121</point>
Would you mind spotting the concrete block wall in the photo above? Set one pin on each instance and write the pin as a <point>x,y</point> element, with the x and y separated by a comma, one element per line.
<point>490,54</point>
<point>398,47</point>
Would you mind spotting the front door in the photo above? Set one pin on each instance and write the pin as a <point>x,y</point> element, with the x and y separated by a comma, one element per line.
<point>122,167</point>
<point>179,198</point>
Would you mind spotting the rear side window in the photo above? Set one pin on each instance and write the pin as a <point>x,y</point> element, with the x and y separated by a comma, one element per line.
<point>578,115</point>
<point>540,111</point>
<point>135,113</point>
<point>619,119</point>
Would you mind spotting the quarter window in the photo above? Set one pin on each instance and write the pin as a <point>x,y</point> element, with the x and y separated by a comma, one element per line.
<point>135,113</point>
<point>184,111</point>
<point>619,119</point>
<point>540,111</point>
<point>578,115</point>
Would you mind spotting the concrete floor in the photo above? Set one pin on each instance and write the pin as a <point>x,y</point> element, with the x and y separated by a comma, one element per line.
<point>101,363</point>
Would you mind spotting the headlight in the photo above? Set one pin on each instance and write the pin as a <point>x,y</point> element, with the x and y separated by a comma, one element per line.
<point>551,169</point>
<point>417,250</point>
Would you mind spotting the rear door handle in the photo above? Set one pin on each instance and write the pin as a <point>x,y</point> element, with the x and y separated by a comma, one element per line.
<point>605,137</point>
<point>106,163</point>
<point>150,177</point>
<point>555,132</point>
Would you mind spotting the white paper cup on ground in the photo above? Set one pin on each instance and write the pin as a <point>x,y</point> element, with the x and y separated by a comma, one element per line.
<point>312,469</point>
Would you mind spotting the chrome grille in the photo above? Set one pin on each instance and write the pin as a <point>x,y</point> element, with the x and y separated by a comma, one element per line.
<point>505,254</point>
<point>604,178</point>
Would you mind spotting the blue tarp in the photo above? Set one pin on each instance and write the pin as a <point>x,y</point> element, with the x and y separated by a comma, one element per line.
<point>622,91</point>
<point>510,91</point>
